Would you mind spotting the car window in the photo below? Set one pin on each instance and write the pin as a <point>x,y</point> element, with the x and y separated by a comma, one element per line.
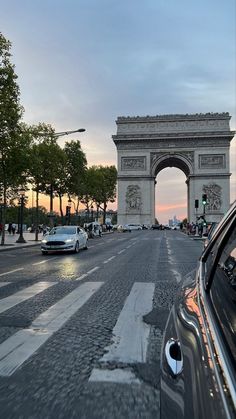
<point>62,230</point>
<point>223,292</point>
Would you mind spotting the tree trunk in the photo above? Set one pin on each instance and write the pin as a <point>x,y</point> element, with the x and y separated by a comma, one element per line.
<point>4,215</point>
<point>37,216</point>
<point>60,205</point>
<point>104,213</point>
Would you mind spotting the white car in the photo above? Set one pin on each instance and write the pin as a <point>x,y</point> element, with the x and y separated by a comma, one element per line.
<point>64,238</point>
<point>133,226</point>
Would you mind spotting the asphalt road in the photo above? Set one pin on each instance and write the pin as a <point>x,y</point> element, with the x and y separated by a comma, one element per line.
<point>80,334</point>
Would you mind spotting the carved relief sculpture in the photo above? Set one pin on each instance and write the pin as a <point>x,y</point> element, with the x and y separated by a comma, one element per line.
<point>133,163</point>
<point>213,193</point>
<point>133,198</point>
<point>212,161</point>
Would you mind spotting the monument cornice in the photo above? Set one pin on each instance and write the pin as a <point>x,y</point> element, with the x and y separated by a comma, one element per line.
<point>227,135</point>
<point>169,143</point>
<point>174,117</point>
<point>209,175</point>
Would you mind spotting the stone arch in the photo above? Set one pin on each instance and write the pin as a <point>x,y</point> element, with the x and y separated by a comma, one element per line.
<point>177,160</point>
<point>196,144</point>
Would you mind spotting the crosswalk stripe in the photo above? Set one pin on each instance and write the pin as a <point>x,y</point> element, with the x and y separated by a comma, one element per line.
<point>117,375</point>
<point>3,284</point>
<point>23,295</point>
<point>19,347</point>
<point>130,334</point>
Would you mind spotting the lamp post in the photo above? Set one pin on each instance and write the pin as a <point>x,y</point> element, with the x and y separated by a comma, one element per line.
<point>69,209</point>
<point>22,196</point>
<point>92,212</point>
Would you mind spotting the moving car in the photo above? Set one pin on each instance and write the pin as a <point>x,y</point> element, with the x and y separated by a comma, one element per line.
<point>64,238</point>
<point>198,357</point>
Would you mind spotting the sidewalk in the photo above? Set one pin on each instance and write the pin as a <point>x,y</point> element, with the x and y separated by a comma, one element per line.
<point>10,241</point>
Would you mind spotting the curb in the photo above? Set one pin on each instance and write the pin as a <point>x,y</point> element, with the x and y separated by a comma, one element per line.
<point>13,247</point>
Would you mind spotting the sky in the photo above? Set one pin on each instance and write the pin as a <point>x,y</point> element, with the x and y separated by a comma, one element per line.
<point>83,63</point>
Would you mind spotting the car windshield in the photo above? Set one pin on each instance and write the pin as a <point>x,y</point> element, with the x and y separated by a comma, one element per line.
<point>63,230</point>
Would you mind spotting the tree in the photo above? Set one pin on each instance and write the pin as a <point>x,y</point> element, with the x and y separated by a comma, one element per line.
<point>75,169</point>
<point>103,186</point>
<point>14,144</point>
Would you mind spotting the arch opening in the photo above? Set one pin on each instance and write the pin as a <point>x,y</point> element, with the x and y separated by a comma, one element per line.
<point>171,195</point>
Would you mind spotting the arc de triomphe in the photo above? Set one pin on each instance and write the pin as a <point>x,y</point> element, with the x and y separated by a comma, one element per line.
<point>197,144</point>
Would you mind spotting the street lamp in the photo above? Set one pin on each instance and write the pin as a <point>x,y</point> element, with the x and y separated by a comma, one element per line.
<point>92,212</point>
<point>22,196</point>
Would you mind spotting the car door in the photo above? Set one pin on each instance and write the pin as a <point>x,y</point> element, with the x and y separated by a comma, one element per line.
<point>220,284</point>
<point>81,237</point>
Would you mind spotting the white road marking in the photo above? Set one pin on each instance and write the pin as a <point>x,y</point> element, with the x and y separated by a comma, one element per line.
<point>128,247</point>
<point>93,270</point>
<point>23,295</point>
<point>130,334</point>
<point>81,277</point>
<point>10,272</point>
<point>91,246</point>
<point>121,251</point>
<point>2,284</point>
<point>114,376</point>
<point>20,346</point>
<point>108,260</point>
<point>43,261</point>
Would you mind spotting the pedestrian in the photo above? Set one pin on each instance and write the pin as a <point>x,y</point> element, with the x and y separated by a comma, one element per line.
<point>9,228</point>
<point>13,228</point>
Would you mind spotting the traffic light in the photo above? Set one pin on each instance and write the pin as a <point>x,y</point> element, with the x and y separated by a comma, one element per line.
<point>196,203</point>
<point>204,199</point>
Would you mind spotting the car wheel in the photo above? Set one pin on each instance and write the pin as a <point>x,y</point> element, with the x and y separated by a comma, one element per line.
<point>86,245</point>
<point>76,247</point>
<point>44,252</point>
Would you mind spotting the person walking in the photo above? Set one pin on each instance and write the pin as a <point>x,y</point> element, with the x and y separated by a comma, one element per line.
<point>13,228</point>
<point>9,228</point>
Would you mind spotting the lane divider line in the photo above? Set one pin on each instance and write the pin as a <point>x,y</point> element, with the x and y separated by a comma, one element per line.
<point>93,270</point>
<point>121,251</point>
<point>44,261</point>
<point>108,260</point>
<point>10,272</point>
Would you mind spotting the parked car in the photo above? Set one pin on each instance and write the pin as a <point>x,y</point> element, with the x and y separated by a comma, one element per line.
<point>133,226</point>
<point>198,357</point>
<point>64,238</point>
<point>156,227</point>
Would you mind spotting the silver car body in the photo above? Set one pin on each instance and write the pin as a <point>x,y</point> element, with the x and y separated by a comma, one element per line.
<point>64,238</point>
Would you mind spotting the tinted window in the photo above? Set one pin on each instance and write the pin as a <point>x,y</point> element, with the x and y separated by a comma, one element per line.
<point>223,291</point>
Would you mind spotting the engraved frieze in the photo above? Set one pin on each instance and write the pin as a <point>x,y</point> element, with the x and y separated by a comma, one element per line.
<point>212,161</point>
<point>133,163</point>
<point>213,192</point>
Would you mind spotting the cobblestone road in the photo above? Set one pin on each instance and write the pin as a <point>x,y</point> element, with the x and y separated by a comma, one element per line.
<point>80,335</point>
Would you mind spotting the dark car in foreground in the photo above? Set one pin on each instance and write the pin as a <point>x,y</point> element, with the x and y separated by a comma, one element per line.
<point>198,360</point>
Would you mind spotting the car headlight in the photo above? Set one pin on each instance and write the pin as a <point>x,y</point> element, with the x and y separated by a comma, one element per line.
<point>69,240</point>
<point>44,241</point>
